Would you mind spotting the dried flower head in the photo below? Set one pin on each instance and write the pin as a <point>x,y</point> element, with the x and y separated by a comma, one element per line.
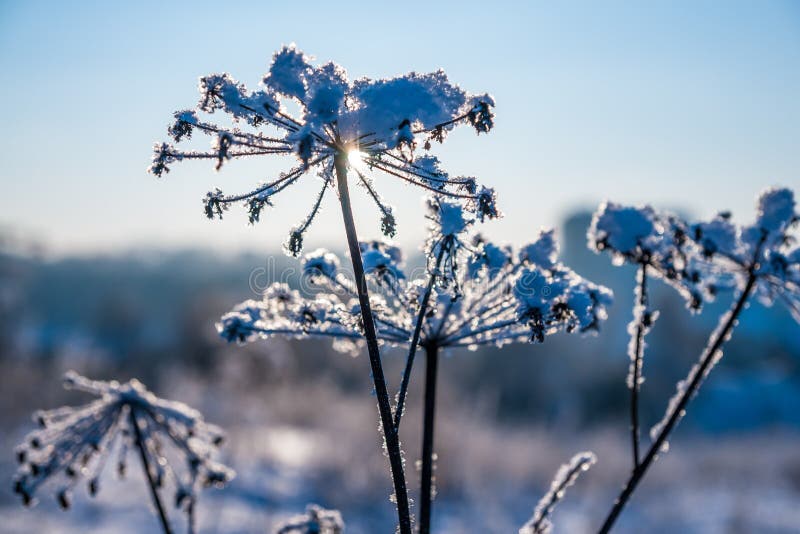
<point>365,124</point>
<point>501,297</point>
<point>769,246</point>
<point>75,443</point>
<point>644,236</point>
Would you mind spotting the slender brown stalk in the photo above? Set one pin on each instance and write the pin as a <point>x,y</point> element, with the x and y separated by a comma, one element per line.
<point>695,378</point>
<point>139,441</point>
<point>638,354</point>
<point>426,484</point>
<point>381,392</point>
<point>412,350</point>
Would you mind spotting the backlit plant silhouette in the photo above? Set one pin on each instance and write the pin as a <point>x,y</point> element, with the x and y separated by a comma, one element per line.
<point>172,440</point>
<point>344,129</point>
<point>474,293</point>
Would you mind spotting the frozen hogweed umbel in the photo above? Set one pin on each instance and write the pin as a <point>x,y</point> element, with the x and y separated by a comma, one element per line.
<point>657,240</point>
<point>761,258</point>
<point>498,302</point>
<point>362,125</point>
<point>566,476</point>
<point>658,244</point>
<point>767,248</point>
<point>316,520</point>
<point>75,443</point>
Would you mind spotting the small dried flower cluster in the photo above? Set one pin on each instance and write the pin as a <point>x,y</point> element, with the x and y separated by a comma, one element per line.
<point>316,520</point>
<point>501,297</point>
<point>76,443</point>
<point>644,236</point>
<point>363,124</point>
<point>769,247</point>
<point>701,259</point>
<point>765,251</point>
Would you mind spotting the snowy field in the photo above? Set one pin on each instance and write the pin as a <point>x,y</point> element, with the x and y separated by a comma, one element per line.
<point>293,445</point>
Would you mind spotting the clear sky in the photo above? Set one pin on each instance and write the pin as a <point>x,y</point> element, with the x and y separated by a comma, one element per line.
<point>692,105</point>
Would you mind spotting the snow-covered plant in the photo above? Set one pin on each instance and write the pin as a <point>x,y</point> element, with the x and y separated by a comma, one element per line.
<point>474,293</point>
<point>74,443</point>
<point>493,296</point>
<point>316,520</point>
<point>658,244</point>
<point>360,125</point>
<point>761,259</point>
<point>565,477</point>
<point>342,127</point>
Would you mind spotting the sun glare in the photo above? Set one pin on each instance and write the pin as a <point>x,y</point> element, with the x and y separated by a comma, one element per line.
<point>355,158</point>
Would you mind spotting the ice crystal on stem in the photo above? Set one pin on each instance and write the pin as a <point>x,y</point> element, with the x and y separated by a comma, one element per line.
<point>566,476</point>
<point>74,443</point>
<point>316,520</point>
<point>372,125</point>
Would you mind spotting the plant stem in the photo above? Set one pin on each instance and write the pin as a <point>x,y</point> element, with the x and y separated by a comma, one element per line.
<point>381,392</point>
<point>695,378</point>
<point>190,518</point>
<point>162,514</point>
<point>412,350</point>
<point>426,485</point>
<point>637,356</point>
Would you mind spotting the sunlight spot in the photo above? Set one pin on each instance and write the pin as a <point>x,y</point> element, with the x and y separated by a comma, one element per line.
<point>355,158</point>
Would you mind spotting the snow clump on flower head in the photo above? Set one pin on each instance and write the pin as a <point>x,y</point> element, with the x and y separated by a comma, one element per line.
<point>365,125</point>
<point>644,236</point>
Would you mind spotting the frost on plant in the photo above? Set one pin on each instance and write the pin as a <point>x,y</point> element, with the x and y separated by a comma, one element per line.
<point>644,236</point>
<point>316,520</point>
<point>565,477</point>
<point>369,125</point>
<point>75,443</point>
<point>769,247</point>
<point>659,245</point>
<point>486,294</point>
<point>762,258</point>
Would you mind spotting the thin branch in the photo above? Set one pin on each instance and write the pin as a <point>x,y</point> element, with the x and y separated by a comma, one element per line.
<point>695,378</point>
<point>212,128</point>
<point>284,182</point>
<point>314,210</point>
<point>373,193</point>
<point>424,174</point>
<point>637,355</point>
<point>426,483</point>
<point>412,350</point>
<point>139,440</point>
<point>377,164</point>
<point>482,330</point>
<point>370,333</point>
<point>442,124</point>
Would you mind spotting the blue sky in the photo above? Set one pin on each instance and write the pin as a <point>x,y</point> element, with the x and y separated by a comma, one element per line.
<point>692,105</point>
